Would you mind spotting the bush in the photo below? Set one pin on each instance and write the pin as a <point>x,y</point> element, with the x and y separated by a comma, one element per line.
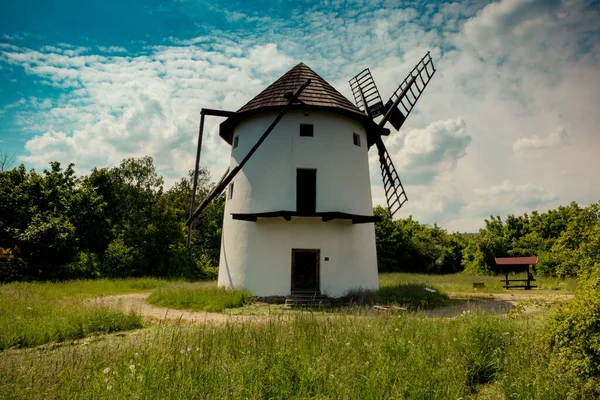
<point>85,266</point>
<point>120,260</point>
<point>575,339</point>
<point>12,267</point>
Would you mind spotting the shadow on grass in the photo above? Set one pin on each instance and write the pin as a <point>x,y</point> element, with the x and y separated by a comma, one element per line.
<point>413,296</point>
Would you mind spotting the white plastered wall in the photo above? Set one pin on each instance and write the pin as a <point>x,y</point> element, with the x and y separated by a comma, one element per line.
<point>257,255</point>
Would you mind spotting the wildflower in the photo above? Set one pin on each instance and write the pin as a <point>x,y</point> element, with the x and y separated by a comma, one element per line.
<point>132,367</point>
<point>348,344</point>
<point>189,349</point>
<point>109,387</point>
<point>454,339</point>
<point>182,351</point>
<point>106,370</point>
<point>136,355</point>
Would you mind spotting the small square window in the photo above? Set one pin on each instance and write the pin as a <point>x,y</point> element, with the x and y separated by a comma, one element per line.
<point>230,194</point>
<point>306,130</point>
<point>356,139</point>
<point>235,141</point>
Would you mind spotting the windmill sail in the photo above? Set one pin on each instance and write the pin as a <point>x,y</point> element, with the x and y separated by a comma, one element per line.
<point>366,95</point>
<point>405,97</point>
<point>395,195</point>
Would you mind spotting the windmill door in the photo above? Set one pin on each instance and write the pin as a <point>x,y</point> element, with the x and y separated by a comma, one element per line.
<point>305,270</point>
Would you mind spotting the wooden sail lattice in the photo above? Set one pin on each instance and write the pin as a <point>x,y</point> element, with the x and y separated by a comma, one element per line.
<point>395,195</point>
<point>366,95</point>
<point>403,100</point>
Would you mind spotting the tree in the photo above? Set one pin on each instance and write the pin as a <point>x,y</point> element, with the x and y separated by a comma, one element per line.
<point>7,159</point>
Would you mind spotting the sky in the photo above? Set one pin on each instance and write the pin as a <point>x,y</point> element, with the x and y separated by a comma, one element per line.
<point>510,122</point>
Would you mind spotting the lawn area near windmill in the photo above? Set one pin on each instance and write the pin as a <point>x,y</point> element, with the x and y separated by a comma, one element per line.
<point>474,356</point>
<point>294,355</point>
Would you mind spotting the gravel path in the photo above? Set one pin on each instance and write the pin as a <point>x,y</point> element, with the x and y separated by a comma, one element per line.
<point>137,302</point>
<point>495,303</point>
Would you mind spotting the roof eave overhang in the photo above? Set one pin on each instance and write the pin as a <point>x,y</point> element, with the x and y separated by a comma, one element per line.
<point>227,127</point>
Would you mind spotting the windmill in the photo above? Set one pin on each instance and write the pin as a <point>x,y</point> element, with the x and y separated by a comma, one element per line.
<point>395,111</point>
<point>305,195</point>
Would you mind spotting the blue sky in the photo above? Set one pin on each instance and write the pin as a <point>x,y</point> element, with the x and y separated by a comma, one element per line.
<point>510,122</point>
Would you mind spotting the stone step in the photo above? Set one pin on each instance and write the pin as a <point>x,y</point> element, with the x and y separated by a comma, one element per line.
<point>307,299</point>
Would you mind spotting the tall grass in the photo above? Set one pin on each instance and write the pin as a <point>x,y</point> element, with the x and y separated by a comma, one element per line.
<point>200,296</point>
<point>36,313</point>
<point>296,358</point>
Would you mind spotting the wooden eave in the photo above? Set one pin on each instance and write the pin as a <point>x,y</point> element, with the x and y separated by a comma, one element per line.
<point>325,216</point>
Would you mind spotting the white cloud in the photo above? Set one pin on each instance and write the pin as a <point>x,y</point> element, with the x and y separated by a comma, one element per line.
<point>525,146</point>
<point>508,197</point>
<point>422,154</point>
<point>145,105</point>
<point>507,69</point>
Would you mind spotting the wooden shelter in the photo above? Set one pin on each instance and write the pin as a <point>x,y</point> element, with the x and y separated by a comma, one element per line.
<point>517,264</point>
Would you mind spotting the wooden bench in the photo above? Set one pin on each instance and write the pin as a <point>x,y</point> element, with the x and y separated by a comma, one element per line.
<point>507,284</point>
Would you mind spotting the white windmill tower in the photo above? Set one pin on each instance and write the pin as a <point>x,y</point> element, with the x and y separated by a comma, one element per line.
<point>298,214</point>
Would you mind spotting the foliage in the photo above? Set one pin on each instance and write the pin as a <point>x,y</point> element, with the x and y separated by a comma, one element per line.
<point>574,329</point>
<point>558,237</point>
<point>200,297</point>
<point>115,222</point>
<point>11,266</point>
<point>407,246</point>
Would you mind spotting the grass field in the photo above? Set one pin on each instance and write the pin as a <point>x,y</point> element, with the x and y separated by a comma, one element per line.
<point>303,357</point>
<point>199,296</point>
<point>463,283</point>
<point>296,356</point>
<point>36,313</point>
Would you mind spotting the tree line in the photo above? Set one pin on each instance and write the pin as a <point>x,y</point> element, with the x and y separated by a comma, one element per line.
<point>119,222</point>
<point>114,222</point>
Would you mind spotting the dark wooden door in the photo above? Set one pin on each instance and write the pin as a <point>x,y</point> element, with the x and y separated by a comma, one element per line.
<point>306,190</point>
<point>305,269</point>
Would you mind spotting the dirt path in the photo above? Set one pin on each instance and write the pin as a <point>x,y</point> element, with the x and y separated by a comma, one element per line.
<point>137,302</point>
<point>495,303</point>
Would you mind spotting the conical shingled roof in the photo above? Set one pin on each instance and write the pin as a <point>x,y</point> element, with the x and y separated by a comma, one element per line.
<point>318,95</point>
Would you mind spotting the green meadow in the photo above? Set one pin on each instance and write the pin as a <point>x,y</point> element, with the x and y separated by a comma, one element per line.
<point>58,343</point>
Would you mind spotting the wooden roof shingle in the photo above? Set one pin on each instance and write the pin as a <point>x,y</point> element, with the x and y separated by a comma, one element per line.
<point>318,95</point>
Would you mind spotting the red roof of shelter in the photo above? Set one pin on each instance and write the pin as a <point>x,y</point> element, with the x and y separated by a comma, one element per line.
<point>319,95</point>
<point>516,260</point>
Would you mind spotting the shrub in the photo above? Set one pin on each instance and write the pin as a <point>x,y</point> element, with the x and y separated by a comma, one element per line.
<point>86,265</point>
<point>12,267</point>
<point>120,260</point>
<point>574,332</point>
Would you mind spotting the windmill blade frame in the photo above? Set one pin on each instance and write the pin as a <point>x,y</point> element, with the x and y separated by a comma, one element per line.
<point>366,95</point>
<point>228,177</point>
<point>404,98</point>
<point>395,195</point>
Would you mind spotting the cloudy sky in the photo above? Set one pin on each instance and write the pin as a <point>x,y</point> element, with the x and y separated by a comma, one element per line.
<point>510,122</point>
